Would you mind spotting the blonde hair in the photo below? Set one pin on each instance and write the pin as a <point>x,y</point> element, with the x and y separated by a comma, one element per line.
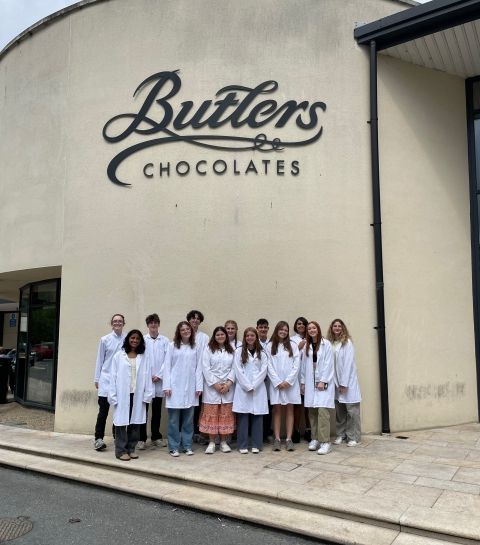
<point>344,337</point>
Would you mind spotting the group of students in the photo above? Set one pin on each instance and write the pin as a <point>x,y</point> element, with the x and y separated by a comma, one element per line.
<point>245,387</point>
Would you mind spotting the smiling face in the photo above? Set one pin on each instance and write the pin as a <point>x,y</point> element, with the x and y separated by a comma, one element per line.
<point>313,331</point>
<point>117,324</point>
<point>263,331</point>
<point>337,329</point>
<point>250,339</point>
<point>153,328</point>
<point>283,332</point>
<point>231,331</point>
<point>300,327</point>
<point>220,337</point>
<point>185,333</point>
<point>195,322</point>
<point>134,341</point>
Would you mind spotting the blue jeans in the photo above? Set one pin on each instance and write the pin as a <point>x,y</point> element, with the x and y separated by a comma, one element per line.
<point>180,428</point>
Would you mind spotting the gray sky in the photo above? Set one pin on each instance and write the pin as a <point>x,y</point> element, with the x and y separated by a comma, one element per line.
<point>17,15</point>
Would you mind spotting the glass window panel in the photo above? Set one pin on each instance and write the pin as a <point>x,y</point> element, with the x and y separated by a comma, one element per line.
<point>22,343</point>
<point>42,342</point>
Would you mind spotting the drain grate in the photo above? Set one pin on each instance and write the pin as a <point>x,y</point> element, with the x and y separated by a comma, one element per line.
<point>12,528</point>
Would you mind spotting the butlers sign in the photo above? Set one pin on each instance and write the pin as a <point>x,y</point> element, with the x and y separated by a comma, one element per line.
<point>212,124</point>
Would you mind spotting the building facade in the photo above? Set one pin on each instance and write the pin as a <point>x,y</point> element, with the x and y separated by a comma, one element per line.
<point>242,130</point>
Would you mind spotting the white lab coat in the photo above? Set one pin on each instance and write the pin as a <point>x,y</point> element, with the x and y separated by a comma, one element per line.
<point>201,341</point>
<point>119,389</point>
<point>283,367</point>
<point>156,350</point>
<point>346,373</point>
<point>236,344</point>
<point>217,369</point>
<point>182,374</point>
<point>323,373</point>
<point>250,394</point>
<point>108,346</point>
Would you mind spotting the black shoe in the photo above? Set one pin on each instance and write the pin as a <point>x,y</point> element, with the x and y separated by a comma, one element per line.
<point>308,435</point>
<point>296,436</point>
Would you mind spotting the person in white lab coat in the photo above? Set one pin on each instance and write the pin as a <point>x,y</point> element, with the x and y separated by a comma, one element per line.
<point>231,328</point>
<point>250,396</point>
<point>216,417</point>
<point>262,331</point>
<point>182,386</point>
<point>156,347</point>
<point>195,318</point>
<point>347,388</point>
<point>283,387</point>
<point>130,390</point>
<point>300,328</point>
<point>108,346</point>
<point>316,382</point>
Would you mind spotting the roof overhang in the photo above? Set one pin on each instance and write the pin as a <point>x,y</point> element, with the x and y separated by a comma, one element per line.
<point>442,34</point>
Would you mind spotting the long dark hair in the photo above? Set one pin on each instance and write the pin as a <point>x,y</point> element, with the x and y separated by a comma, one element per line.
<point>275,339</point>
<point>256,344</point>
<point>214,346</point>
<point>177,338</point>
<point>126,343</point>
<point>309,339</point>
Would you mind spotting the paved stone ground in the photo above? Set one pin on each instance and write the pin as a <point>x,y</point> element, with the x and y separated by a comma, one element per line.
<point>13,414</point>
<point>429,481</point>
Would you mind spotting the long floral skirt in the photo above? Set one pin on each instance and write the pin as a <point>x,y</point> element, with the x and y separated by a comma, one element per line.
<point>217,419</point>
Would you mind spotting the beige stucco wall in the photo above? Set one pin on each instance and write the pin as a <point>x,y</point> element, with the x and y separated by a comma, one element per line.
<point>234,246</point>
<point>426,240</point>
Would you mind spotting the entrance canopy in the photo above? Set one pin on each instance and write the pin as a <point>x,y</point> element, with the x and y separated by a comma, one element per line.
<point>442,34</point>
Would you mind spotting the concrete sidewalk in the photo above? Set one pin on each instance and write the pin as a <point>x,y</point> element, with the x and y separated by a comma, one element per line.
<point>423,490</point>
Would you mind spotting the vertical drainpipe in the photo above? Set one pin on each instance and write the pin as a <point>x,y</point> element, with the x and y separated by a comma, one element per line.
<point>377,236</point>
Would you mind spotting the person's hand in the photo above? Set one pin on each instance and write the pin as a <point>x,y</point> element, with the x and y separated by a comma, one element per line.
<point>321,386</point>
<point>218,387</point>
<point>167,393</point>
<point>285,385</point>
<point>302,389</point>
<point>198,393</point>
<point>343,389</point>
<point>301,344</point>
<point>155,379</point>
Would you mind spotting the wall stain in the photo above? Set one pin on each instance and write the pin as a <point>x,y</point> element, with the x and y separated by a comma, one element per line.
<point>447,391</point>
<point>74,398</point>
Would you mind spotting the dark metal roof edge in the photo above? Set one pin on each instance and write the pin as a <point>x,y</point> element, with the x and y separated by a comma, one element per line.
<point>417,21</point>
<point>53,17</point>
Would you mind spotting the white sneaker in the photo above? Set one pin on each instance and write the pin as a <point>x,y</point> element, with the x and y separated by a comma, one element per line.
<point>313,445</point>
<point>158,443</point>
<point>141,445</point>
<point>243,451</point>
<point>338,440</point>
<point>211,448</point>
<point>255,450</point>
<point>325,448</point>
<point>174,453</point>
<point>189,452</point>
<point>224,447</point>
<point>352,443</point>
<point>99,444</point>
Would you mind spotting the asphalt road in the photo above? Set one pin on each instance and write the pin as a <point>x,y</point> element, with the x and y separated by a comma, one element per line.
<point>113,518</point>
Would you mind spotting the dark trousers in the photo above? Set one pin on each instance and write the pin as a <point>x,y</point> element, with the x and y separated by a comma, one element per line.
<point>256,427</point>
<point>155,423</point>
<point>267,423</point>
<point>126,437</point>
<point>103,407</point>
<point>196,416</point>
